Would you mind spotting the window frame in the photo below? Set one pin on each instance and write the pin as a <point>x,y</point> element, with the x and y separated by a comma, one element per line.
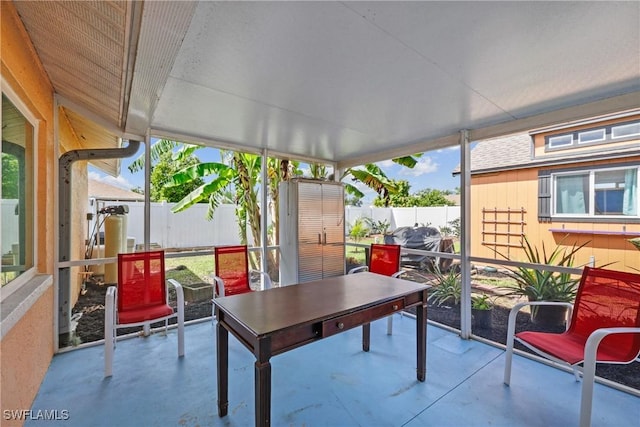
<point>592,192</point>
<point>602,131</point>
<point>29,274</point>
<point>628,124</point>
<point>553,145</point>
<point>576,141</point>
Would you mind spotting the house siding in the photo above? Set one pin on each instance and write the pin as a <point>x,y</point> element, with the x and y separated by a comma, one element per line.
<point>540,149</point>
<point>517,189</point>
<point>27,348</point>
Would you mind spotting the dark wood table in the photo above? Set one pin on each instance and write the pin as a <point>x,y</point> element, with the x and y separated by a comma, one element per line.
<point>276,320</point>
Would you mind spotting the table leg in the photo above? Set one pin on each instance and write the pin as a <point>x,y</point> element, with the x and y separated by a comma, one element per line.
<point>366,336</point>
<point>263,393</point>
<point>421,341</point>
<point>222,349</point>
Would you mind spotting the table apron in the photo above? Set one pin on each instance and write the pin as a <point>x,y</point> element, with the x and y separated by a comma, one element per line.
<point>302,334</point>
<point>358,318</point>
<point>243,335</point>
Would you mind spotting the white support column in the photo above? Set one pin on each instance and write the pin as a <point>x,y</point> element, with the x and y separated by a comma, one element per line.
<point>264,209</point>
<point>56,230</point>
<point>147,191</point>
<point>465,233</point>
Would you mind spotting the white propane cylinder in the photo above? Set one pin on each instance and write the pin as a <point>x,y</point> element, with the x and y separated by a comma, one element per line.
<point>98,252</point>
<point>113,245</point>
<point>123,230</point>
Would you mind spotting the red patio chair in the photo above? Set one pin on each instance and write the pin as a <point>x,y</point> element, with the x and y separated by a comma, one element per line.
<point>232,274</point>
<point>604,328</point>
<point>139,299</point>
<point>385,260</point>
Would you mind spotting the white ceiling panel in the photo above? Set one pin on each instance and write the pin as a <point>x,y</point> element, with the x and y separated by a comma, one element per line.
<point>161,32</point>
<point>523,57</point>
<point>222,117</point>
<point>342,81</point>
<point>327,72</point>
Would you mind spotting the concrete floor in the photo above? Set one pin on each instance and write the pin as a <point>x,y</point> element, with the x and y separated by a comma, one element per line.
<point>328,383</point>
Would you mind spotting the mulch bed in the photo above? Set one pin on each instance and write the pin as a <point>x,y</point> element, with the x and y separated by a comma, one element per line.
<point>91,328</point>
<point>91,325</point>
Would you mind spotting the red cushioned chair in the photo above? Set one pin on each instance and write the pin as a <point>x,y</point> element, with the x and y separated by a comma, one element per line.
<point>385,260</point>
<point>232,274</point>
<point>604,328</point>
<point>139,299</point>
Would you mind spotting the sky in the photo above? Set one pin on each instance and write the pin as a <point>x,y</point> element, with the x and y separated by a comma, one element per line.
<point>432,171</point>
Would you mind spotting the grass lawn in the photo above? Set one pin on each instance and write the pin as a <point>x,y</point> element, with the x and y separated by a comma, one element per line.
<point>198,269</point>
<point>355,253</point>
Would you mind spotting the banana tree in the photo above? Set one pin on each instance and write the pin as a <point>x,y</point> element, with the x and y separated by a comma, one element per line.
<point>373,177</point>
<point>241,175</point>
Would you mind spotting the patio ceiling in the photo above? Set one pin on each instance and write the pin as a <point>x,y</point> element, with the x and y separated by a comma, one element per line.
<point>345,82</point>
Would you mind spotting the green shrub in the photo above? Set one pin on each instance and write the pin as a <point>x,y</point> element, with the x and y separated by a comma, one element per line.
<point>358,230</point>
<point>481,302</point>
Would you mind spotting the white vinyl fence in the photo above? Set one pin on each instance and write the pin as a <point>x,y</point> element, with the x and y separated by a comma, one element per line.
<point>190,228</point>
<point>437,217</point>
<point>185,229</point>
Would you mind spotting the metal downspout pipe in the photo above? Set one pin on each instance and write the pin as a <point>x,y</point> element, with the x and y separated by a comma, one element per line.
<point>64,227</point>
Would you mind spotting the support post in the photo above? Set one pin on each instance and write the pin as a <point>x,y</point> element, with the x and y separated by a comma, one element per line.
<point>465,233</point>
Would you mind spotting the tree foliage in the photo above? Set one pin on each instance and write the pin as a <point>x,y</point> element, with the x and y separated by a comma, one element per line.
<point>161,173</point>
<point>373,177</point>
<point>423,198</point>
<point>352,200</point>
<point>431,197</point>
<point>400,198</point>
<point>10,178</point>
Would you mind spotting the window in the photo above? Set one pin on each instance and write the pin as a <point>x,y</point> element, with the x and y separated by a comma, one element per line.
<point>560,141</point>
<point>596,193</point>
<point>572,194</point>
<point>598,135</point>
<point>591,136</point>
<point>17,201</point>
<point>626,131</point>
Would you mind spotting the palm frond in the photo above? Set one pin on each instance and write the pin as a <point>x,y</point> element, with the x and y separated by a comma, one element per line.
<point>157,150</point>
<point>353,190</point>
<point>200,170</point>
<point>201,193</point>
<point>407,161</point>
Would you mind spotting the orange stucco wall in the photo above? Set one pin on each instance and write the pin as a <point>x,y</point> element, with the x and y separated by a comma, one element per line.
<point>25,354</point>
<point>517,189</point>
<point>27,348</point>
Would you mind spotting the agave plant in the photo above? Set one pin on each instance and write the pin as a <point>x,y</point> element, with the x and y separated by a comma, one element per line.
<point>545,285</point>
<point>448,288</point>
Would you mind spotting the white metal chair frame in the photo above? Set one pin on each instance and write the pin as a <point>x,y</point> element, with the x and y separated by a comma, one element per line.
<point>111,324</point>
<point>588,369</point>
<point>265,283</point>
